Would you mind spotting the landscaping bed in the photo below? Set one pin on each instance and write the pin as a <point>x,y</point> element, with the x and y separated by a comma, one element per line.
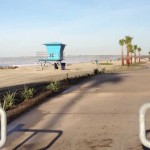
<point>18,102</point>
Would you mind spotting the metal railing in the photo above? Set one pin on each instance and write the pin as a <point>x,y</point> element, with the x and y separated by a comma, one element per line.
<point>3,127</point>
<point>142,130</point>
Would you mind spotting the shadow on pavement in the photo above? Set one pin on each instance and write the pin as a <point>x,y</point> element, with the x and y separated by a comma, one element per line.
<point>145,148</point>
<point>97,81</point>
<point>19,128</point>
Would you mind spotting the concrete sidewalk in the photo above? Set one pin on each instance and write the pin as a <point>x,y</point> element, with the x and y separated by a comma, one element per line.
<point>100,114</point>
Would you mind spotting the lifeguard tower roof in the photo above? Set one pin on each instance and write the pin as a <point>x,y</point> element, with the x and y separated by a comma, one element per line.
<point>53,43</point>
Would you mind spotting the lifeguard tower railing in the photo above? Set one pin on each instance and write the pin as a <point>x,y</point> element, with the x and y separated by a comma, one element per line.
<point>43,60</point>
<point>45,56</point>
<point>42,55</point>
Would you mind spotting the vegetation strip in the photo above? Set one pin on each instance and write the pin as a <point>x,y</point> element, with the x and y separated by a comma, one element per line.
<point>18,102</point>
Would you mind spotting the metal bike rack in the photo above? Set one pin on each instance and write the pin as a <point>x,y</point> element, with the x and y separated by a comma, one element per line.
<point>3,127</point>
<point>142,130</point>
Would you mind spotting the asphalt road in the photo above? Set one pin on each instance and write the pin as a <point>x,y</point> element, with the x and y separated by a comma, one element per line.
<point>99,114</point>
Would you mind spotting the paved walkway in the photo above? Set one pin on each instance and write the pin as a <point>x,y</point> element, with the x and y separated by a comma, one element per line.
<point>100,114</point>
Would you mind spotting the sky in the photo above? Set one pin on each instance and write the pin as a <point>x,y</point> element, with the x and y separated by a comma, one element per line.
<point>87,27</point>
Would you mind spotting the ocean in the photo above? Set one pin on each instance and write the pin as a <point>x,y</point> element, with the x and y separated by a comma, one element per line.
<point>32,60</point>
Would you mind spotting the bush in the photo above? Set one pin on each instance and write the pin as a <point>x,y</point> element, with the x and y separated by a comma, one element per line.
<point>89,75</point>
<point>8,100</point>
<point>27,93</point>
<point>96,71</point>
<point>54,86</point>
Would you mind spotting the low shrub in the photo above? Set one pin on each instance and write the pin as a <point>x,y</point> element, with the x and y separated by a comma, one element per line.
<point>53,86</point>
<point>28,93</point>
<point>8,100</point>
<point>96,71</point>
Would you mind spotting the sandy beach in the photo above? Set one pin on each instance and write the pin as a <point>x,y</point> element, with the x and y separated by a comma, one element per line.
<point>31,74</point>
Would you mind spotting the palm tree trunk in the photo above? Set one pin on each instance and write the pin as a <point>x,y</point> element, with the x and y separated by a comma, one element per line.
<point>135,56</point>
<point>139,58</point>
<point>128,58</point>
<point>122,57</point>
<point>131,58</point>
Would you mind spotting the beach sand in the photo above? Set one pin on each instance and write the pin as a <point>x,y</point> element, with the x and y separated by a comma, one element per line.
<point>30,74</point>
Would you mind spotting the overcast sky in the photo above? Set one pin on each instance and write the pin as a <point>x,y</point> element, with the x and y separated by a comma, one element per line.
<point>86,26</point>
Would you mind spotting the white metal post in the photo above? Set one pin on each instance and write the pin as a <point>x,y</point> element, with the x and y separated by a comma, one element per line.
<point>3,127</point>
<point>142,130</point>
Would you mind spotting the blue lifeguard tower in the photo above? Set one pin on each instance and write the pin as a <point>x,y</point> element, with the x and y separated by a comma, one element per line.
<point>55,52</point>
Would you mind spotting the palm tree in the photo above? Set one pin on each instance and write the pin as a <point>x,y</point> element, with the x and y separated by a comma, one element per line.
<point>121,42</point>
<point>128,40</point>
<point>134,48</point>
<point>139,50</point>
<point>131,51</point>
<point>129,47</point>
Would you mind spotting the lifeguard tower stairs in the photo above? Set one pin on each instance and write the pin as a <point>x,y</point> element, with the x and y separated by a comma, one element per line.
<point>54,53</point>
